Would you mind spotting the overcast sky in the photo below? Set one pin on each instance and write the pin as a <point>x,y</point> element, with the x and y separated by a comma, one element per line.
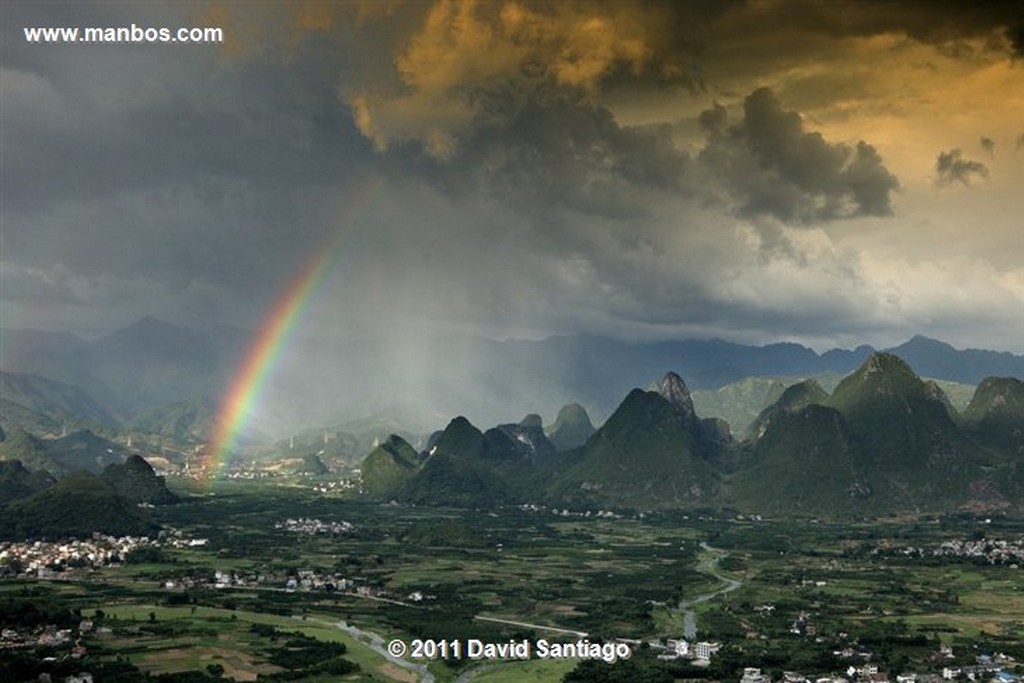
<point>828,173</point>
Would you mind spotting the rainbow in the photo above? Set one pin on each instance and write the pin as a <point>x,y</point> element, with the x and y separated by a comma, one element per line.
<point>277,328</point>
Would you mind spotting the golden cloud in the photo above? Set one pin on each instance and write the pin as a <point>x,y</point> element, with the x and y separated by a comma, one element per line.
<point>471,63</point>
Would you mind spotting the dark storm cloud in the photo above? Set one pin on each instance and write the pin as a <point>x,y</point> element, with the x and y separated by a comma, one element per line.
<point>952,167</point>
<point>147,121</point>
<point>145,173</point>
<point>192,184</point>
<point>942,23</point>
<point>566,219</point>
<point>774,166</point>
<point>1015,34</point>
<point>572,156</point>
<point>577,156</point>
<point>476,65</point>
<point>464,66</point>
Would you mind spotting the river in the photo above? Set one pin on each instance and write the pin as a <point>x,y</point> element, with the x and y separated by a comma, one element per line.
<point>376,643</point>
<point>706,565</point>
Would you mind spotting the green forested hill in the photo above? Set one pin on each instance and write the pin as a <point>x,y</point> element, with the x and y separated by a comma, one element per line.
<point>792,399</point>
<point>995,415</point>
<point>16,481</point>
<point>804,462</point>
<point>386,469</point>
<point>650,453</point>
<point>136,481</point>
<point>58,402</point>
<point>181,420</point>
<point>884,441</point>
<point>76,506</point>
<point>19,445</point>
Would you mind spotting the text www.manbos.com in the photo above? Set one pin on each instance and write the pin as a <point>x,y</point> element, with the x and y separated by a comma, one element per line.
<point>122,34</point>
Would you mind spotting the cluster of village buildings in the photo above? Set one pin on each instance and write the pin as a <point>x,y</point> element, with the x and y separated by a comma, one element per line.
<point>599,514</point>
<point>252,474</point>
<point>993,551</point>
<point>987,670</point>
<point>304,525</point>
<point>48,636</point>
<point>998,668</point>
<point>335,486</point>
<point>46,559</point>
<point>301,580</point>
<point>680,648</point>
<point>43,559</point>
<point>257,473</point>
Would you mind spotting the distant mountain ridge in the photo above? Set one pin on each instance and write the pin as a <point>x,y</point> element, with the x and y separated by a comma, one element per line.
<point>53,399</point>
<point>933,358</point>
<point>183,420</point>
<point>81,450</point>
<point>151,365</point>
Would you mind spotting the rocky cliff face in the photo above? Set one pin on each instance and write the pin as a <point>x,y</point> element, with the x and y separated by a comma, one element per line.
<point>673,389</point>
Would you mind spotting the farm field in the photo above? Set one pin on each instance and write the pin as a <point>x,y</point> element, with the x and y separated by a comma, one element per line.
<point>251,598</point>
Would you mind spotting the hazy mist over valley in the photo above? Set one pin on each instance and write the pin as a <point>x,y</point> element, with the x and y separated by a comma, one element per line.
<point>151,365</point>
